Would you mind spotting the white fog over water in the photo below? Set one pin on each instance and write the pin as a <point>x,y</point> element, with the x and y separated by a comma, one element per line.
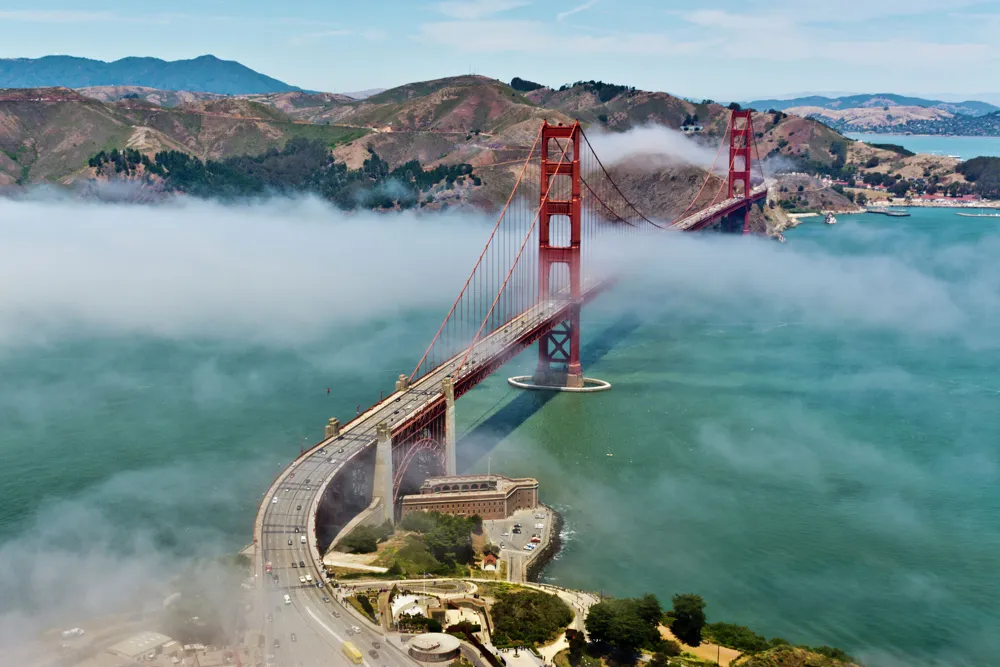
<point>803,434</point>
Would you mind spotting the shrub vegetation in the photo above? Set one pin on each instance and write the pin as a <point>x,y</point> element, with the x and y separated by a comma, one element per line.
<point>525,617</point>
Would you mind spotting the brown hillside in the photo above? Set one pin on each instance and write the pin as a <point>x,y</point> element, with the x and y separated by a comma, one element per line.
<point>309,107</point>
<point>873,116</point>
<point>794,137</point>
<point>458,104</point>
<point>630,108</point>
<point>162,98</point>
<point>49,134</point>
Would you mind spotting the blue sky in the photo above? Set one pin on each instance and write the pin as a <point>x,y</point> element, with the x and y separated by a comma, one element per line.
<point>726,50</point>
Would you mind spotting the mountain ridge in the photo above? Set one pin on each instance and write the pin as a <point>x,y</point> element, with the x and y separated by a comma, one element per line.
<point>204,74</point>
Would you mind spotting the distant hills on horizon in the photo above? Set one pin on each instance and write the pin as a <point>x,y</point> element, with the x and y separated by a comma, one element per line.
<point>204,74</point>
<point>878,100</point>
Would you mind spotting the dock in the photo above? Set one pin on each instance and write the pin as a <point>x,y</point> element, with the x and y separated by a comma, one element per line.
<point>889,212</point>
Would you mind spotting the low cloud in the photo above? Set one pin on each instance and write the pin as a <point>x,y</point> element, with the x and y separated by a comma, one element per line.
<point>278,271</point>
<point>656,144</point>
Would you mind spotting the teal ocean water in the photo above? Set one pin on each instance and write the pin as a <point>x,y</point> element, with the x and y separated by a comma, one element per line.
<point>964,147</point>
<point>804,434</point>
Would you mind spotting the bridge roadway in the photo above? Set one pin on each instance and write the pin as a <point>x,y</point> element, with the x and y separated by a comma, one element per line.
<point>292,501</point>
<point>698,220</point>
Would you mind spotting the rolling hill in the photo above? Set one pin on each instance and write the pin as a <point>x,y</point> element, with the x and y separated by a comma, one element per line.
<point>865,118</point>
<point>50,134</point>
<point>47,135</point>
<point>968,108</point>
<point>204,74</point>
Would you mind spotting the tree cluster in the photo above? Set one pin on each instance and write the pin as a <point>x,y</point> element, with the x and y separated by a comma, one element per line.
<point>525,617</point>
<point>447,537</point>
<point>365,539</point>
<point>984,174</point>
<point>628,624</point>
<point>605,91</point>
<point>302,166</point>
<point>126,161</point>
<point>523,85</point>
<point>895,148</point>
<point>419,623</point>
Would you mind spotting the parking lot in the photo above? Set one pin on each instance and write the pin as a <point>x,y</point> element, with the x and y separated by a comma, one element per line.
<point>501,532</point>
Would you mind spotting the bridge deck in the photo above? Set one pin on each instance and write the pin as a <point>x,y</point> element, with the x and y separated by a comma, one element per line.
<point>400,408</point>
<point>693,222</point>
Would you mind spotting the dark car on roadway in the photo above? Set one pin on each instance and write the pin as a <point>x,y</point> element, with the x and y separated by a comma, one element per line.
<point>302,563</point>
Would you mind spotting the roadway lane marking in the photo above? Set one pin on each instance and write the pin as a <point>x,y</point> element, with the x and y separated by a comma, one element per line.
<point>325,626</point>
<point>330,630</point>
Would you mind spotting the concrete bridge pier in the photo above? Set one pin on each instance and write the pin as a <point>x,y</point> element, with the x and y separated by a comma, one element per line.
<point>448,389</point>
<point>383,471</point>
<point>736,222</point>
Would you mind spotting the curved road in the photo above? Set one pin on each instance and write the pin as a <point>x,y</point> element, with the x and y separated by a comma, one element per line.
<point>288,510</point>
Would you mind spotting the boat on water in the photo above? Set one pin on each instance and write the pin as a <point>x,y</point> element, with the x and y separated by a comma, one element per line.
<point>830,219</point>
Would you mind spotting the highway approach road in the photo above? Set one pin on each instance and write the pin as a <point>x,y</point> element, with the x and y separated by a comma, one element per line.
<point>288,512</point>
<point>319,622</point>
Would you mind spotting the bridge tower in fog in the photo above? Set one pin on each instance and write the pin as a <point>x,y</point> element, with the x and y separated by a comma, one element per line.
<point>740,138</point>
<point>559,348</point>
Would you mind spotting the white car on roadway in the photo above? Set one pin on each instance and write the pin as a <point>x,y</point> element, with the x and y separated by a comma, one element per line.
<point>302,580</point>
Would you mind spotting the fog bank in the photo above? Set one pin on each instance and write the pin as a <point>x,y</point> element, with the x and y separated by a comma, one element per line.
<point>655,145</point>
<point>274,271</point>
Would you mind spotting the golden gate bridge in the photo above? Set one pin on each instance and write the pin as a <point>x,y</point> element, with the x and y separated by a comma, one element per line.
<point>540,265</point>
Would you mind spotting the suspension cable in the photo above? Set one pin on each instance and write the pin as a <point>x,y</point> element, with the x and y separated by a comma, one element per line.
<point>481,255</point>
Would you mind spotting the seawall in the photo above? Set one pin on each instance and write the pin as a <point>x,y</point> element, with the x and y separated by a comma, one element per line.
<point>548,552</point>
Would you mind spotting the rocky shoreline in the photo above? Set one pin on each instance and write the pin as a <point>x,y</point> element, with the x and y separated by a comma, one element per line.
<point>546,554</point>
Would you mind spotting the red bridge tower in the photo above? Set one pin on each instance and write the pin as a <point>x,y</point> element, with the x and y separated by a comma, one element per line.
<point>740,137</point>
<point>559,349</point>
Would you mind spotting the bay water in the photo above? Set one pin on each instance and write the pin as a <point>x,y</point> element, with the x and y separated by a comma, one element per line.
<point>964,147</point>
<point>804,434</point>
